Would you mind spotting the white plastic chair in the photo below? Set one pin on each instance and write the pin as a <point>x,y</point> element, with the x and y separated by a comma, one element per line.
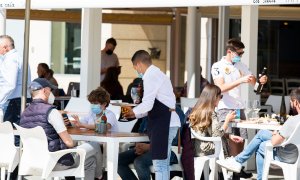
<point>9,153</point>
<point>201,163</point>
<point>187,103</point>
<point>115,109</point>
<point>275,102</point>
<point>36,160</point>
<point>290,171</point>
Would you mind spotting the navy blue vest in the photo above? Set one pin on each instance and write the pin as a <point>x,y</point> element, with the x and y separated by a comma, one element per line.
<point>36,114</point>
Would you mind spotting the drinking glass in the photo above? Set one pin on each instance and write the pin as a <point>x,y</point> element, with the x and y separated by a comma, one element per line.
<point>135,95</point>
<point>124,110</point>
<point>256,107</point>
<point>248,109</point>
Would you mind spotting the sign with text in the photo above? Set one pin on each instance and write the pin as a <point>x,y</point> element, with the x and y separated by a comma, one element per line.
<point>46,4</point>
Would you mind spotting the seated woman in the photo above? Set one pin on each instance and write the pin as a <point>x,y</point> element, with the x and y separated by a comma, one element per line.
<point>111,83</point>
<point>204,120</point>
<point>44,71</point>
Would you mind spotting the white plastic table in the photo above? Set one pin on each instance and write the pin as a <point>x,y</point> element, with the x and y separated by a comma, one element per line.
<point>253,125</point>
<point>112,139</point>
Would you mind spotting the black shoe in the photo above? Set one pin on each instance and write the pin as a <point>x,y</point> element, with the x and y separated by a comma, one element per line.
<point>243,174</point>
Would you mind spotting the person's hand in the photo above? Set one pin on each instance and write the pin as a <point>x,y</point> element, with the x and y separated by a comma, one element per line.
<point>76,121</point>
<point>236,139</point>
<point>246,79</point>
<point>230,116</point>
<point>263,79</point>
<point>141,148</point>
<point>129,113</point>
<point>66,121</point>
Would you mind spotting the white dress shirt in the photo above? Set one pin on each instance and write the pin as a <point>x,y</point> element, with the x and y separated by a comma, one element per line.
<point>157,86</point>
<point>11,77</point>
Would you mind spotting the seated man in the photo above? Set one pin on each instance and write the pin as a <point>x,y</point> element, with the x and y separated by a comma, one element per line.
<point>287,154</point>
<point>42,113</point>
<point>140,156</point>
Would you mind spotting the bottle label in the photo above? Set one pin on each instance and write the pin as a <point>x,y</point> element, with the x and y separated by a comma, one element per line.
<point>237,115</point>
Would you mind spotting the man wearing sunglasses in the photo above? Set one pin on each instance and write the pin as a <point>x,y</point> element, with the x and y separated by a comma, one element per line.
<point>229,74</point>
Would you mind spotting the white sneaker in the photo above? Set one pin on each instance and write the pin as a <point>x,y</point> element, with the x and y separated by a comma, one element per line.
<point>231,164</point>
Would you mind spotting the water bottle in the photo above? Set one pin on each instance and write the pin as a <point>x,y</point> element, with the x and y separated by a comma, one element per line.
<point>237,115</point>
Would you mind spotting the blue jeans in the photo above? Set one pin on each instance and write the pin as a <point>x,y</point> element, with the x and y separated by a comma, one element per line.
<point>257,145</point>
<point>141,164</point>
<point>162,167</point>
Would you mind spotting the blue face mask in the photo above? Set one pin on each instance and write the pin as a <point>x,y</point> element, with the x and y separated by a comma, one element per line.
<point>236,59</point>
<point>140,75</point>
<point>96,108</point>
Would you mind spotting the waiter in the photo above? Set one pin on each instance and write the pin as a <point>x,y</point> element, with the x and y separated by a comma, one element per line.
<point>159,104</point>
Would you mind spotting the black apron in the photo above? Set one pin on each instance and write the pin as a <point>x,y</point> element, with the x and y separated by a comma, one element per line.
<point>158,130</point>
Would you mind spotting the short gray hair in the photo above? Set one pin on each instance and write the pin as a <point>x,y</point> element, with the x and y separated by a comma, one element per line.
<point>9,39</point>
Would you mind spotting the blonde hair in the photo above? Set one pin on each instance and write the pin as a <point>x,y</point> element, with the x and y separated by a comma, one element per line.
<point>201,115</point>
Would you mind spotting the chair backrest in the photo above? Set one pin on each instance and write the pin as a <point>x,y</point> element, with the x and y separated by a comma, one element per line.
<point>115,109</point>
<point>76,86</point>
<point>275,102</point>
<point>277,86</point>
<point>126,126</point>
<point>187,103</point>
<point>287,104</point>
<point>35,149</point>
<point>291,84</point>
<point>7,144</point>
<point>216,140</point>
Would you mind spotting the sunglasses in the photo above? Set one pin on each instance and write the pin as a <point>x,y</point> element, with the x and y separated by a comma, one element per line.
<point>239,53</point>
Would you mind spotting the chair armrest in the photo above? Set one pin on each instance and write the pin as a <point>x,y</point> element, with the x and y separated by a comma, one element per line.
<point>55,156</point>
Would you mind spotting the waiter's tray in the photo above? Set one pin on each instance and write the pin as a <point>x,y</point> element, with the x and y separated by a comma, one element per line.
<point>123,104</point>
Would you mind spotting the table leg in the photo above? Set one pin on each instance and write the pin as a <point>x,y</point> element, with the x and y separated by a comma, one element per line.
<point>112,159</point>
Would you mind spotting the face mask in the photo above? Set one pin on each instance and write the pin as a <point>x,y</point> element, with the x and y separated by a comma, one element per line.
<point>96,108</point>
<point>236,59</point>
<point>140,75</point>
<point>109,52</point>
<point>51,98</point>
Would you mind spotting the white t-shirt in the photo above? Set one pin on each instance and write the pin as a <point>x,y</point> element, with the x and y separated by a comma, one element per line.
<point>111,119</point>
<point>56,120</point>
<point>230,72</point>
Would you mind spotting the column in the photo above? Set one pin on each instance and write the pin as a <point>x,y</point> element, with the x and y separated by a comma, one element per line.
<point>2,21</point>
<point>90,50</point>
<point>2,31</point>
<point>190,56</point>
<point>249,38</point>
<point>198,53</point>
<point>175,47</point>
<point>223,31</point>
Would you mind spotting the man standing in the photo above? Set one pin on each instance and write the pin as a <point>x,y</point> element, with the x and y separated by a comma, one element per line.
<point>108,57</point>
<point>11,69</point>
<point>159,104</point>
<point>287,154</point>
<point>42,113</point>
<point>229,74</point>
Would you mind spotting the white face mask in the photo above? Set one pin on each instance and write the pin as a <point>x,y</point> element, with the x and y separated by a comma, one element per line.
<point>51,98</point>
